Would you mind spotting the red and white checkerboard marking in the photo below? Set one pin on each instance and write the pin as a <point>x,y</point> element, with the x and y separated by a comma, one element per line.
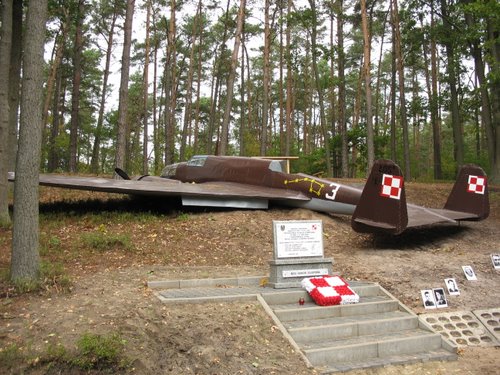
<point>391,186</point>
<point>476,184</point>
<point>329,290</point>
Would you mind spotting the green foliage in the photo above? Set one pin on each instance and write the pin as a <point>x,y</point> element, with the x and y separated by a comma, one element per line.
<point>54,276</point>
<point>99,352</point>
<point>103,241</point>
<point>183,217</point>
<point>10,357</point>
<point>103,353</point>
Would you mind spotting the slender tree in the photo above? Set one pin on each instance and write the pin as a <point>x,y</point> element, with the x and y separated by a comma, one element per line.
<point>145,138</point>
<point>107,31</point>
<point>15,79</point>
<point>122,104</point>
<point>75,96</point>
<point>451,68</point>
<point>368,91</point>
<point>342,96</point>
<point>319,90</point>
<point>25,256</point>
<point>266,79</point>
<point>5,48</point>
<point>170,85</point>
<point>230,81</point>
<point>401,81</point>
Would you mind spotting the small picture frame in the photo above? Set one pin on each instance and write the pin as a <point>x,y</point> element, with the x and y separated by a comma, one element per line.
<point>440,298</point>
<point>428,299</point>
<point>495,259</point>
<point>452,287</point>
<point>469,273</point>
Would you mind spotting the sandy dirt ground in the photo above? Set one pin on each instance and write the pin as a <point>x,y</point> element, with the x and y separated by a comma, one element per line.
<point>109,291</point>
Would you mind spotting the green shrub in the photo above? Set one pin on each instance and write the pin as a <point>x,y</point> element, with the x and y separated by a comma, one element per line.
<point>10,356</point>
<point>53,275</point>
<point>102,240</point>
<point>99,352</point>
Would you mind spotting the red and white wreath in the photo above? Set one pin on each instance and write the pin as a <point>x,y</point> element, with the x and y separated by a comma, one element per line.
<point>329,290</point>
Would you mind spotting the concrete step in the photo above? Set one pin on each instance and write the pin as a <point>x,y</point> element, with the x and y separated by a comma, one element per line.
<point>416,342</point>
<point>287,297</point>
<point>371,305</point>
<point>431,355</point>
<point>338,320</point>
<point>335,330</point>
<point>341,342</point>
<point>377,331</point>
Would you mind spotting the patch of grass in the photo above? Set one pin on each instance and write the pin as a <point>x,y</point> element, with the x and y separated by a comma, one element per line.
<point>99,352</point>
<point>23,286</point>
<point>54,276</point>
<point>103,241</point>
<point>102,353</point>
<point>48,245</point>
<point>10,357</point>
<point>183,217</point>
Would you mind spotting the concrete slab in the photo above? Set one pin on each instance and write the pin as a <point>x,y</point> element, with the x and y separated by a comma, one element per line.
<point>461,327</point>
<point>491,320</point>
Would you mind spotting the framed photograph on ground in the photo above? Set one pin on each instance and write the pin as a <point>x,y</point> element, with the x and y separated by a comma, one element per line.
<point>428,299</point>
<point>440,298</point>
<point>452,287</point>
<point>469,273</point>
<point>495,259</point>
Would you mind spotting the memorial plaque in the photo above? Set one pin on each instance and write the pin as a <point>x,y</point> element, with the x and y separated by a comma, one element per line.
<point>305,273</point>
<point>298,239</point>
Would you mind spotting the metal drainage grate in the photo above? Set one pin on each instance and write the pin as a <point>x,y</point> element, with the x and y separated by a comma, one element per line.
<point>491,320</point>
<point>460,327</point>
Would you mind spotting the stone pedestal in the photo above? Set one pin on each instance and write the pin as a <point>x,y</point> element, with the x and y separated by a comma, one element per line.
<point>288,273</point>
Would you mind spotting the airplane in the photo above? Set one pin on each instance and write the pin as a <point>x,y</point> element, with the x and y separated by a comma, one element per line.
<point>252,183</point>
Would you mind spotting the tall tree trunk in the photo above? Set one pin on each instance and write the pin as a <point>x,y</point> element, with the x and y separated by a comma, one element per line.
<point>289,84</point>
<point>170,92</point>
<point>14,80</point>
<point>342,103</point>
<point>266,80</point>
<point>402,99</point>
<point>104,91</point>
<point>25,256</point>
<point>434,107</point>
<point>145,166</point>
<point>368,90</point>
<point>494,62</point>
<point>379,73</point>
<point>456,122</point>
<point>60,44</point>
<point>319,90</point>
<point>156,135</point>
<point>198,81</point>
<point>393,96</point>
<point>5,48</point>
<point>280,87</point>
<point>189,87</point>
<point>332,96</point>
<point>242,95</point>
<point>75,97</point>
<point>123,94</point>
<point>230,80</point>
<point>53,156</point>
<point>213,121</point>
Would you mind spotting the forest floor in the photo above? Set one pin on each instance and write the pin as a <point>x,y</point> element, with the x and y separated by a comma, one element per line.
<point>95,313</point>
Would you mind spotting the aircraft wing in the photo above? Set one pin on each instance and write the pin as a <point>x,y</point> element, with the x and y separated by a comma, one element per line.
<point>214,194</point>
<point>419,216</point>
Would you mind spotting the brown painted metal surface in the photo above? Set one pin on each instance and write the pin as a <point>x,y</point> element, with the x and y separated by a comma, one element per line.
<point>220,180</point>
